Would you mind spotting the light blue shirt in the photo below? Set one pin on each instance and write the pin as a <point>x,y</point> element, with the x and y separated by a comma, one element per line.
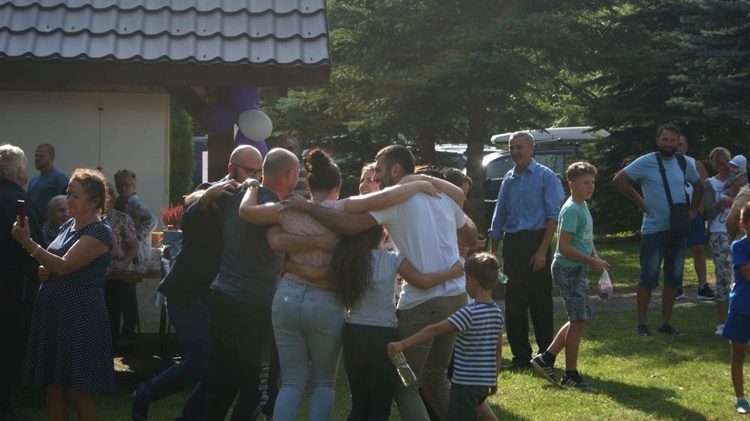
<point>645,169</point>
<point>575,218</point>
<point>44,187</point>
<point>527,201</point>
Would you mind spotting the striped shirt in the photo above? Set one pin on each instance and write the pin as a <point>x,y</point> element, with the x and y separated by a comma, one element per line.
<point>475,355</point>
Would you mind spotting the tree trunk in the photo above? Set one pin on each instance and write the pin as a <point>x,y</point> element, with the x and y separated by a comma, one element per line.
<point>220,147</point>
<point>426,148</point>
<point>474,206</point>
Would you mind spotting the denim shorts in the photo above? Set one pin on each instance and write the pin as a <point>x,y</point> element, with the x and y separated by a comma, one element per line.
<point>697,235</point>
<point>661,247</point>
<point>574,290</point>
<point>737,328</point>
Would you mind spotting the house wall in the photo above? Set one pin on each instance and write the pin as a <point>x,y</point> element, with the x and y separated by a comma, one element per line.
<point>130,131</point>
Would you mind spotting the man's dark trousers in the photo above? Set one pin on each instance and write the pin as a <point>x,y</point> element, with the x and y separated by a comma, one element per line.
<point>527,292</point>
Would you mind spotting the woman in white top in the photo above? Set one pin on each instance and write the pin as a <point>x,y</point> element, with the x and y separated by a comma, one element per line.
<point>718,199</point>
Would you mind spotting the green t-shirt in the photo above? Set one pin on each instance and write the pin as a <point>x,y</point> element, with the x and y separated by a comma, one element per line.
<point>575,218</point>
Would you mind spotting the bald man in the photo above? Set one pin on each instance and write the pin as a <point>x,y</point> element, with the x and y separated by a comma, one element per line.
<point>241,332</point>
<point>187,288</point>
<point>291,144</point>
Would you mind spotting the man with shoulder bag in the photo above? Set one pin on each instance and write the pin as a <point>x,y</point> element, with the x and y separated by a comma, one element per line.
<point>667,213</point>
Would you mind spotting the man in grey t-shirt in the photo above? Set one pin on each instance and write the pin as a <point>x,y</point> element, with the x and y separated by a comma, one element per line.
<point>241,331</point>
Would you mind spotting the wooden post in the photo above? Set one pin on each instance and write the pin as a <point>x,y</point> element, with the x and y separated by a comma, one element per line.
<point>220,147</point>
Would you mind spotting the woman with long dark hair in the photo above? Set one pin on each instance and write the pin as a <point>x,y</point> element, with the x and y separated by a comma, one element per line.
<point>364,277</point>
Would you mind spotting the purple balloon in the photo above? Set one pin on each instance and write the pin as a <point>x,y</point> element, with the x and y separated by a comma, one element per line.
<point>244,97</point>
<point>241,139</point>
<point>218,118</point>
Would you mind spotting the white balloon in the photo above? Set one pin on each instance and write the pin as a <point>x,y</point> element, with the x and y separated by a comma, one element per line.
<point>255,124</point>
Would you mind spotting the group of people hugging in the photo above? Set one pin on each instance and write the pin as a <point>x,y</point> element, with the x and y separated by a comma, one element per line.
<point>270,287</point>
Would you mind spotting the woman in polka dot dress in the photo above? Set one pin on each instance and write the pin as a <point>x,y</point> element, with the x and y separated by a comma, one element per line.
<point>69,351</point>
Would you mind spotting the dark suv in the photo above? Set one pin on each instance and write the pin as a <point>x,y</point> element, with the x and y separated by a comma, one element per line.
<point>555,156</point>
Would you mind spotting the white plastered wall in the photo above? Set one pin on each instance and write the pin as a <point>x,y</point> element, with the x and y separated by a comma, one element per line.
<point>130,131</point>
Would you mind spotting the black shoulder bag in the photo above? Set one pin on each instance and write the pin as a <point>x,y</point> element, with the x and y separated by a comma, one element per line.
<point>679,213</point>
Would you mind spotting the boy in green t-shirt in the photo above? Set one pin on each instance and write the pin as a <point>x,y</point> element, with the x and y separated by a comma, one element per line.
<point>575,252</point>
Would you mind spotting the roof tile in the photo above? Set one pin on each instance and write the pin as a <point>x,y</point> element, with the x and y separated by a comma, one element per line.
<point>256,32</point>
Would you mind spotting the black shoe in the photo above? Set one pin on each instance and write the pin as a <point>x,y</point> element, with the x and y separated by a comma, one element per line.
<point>705,293</point>
<point>517,366</point>
<point>544,369</point>
<point>573,381</point>
<point>138,407</point>
<point>668,329</point>
<point>642,330</point>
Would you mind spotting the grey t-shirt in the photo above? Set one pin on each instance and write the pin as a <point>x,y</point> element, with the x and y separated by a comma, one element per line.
<point>249,269</point>
<point>378,306</point>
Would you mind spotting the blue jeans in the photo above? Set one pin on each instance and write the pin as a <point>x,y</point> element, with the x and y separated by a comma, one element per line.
<point>658,247</point>
<point>192,324</point>
<point>308,323</point>
<point>372,377</point>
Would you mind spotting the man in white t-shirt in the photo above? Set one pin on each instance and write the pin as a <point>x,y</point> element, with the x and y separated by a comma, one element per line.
<point>426,230</point>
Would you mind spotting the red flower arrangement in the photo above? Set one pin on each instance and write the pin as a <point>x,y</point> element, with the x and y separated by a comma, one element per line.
<point>172,216</point>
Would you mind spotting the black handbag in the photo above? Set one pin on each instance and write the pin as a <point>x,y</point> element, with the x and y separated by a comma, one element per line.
<point>679,213</point>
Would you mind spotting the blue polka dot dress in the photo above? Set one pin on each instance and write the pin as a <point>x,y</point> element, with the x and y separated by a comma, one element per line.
<point>69,341</point>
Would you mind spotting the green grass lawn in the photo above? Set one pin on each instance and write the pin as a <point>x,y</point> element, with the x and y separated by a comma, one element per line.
<point>632,378</point>
<point>623,257</point>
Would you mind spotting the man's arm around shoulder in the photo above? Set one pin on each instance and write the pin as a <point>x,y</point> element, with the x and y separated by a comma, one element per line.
<point>467,234</point>
<point>340,222</point>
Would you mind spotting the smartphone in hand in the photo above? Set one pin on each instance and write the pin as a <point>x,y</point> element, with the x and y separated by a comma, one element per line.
<point>22,212</point>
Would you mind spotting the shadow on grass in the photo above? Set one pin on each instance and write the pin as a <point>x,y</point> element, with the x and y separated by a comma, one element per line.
<point>613,334</point>
<point>504,414</point>
<point>653,401</point>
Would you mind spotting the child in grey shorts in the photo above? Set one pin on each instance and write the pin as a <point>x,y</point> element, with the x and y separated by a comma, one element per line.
<point>575,252</point>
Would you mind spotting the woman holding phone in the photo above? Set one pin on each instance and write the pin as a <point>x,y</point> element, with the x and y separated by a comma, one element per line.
<point>69,351</point>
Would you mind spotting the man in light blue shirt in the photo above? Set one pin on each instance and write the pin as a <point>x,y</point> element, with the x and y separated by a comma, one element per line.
<point>657,242</point>
<point>526,213</point>
<point>49,183</point>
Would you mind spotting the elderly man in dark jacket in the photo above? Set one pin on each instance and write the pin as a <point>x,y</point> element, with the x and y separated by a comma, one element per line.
<point>18,271</point>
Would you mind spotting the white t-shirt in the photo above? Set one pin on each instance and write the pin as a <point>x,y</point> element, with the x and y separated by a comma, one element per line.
<point>719,223</point>
<point>424,230</point>
<point>378,306</point>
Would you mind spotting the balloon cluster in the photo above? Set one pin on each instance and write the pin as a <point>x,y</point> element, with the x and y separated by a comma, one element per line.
<point>255,126</point>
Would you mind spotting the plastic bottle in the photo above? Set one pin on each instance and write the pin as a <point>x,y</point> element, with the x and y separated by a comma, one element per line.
<point>404,371</point>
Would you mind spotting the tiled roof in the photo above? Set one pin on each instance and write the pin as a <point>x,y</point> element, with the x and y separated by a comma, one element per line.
<point>275,33</point>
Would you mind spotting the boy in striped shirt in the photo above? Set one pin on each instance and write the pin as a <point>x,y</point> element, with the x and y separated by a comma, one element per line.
<point>478,349</point>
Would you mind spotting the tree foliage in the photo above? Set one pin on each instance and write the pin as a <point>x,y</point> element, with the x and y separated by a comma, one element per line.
<point>420,72</point>
<point>180,154</point>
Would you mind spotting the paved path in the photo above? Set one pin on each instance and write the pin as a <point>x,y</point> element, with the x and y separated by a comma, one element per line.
<point>625,301</point>
<point>620,301</point>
